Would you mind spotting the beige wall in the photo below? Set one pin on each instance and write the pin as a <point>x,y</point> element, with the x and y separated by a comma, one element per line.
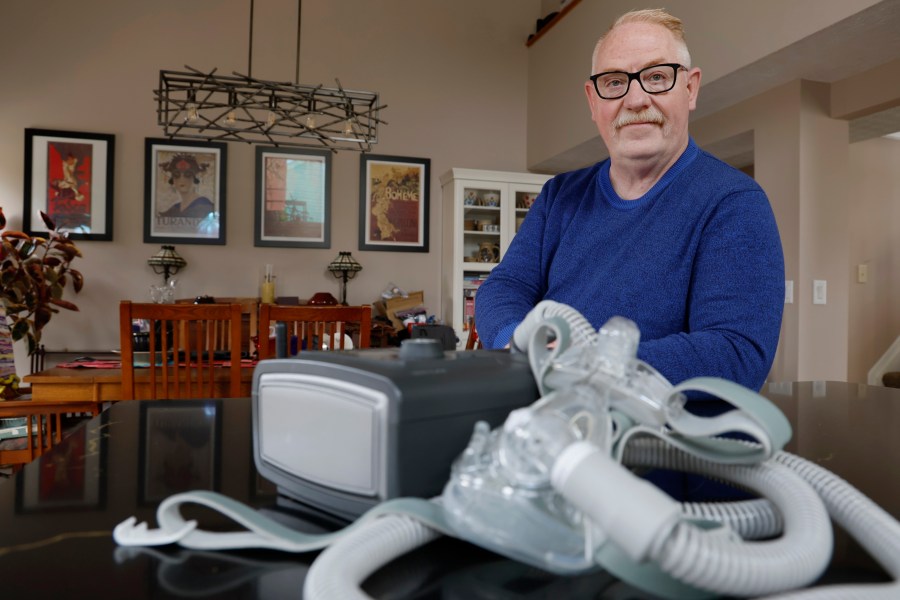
<point>874,225</point>
<point>800,159</point>
<point>867,92</point>
<point>453,75</point>
<point>823,247</point>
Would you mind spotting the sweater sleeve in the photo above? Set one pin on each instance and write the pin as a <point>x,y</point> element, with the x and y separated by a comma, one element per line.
<point>735,300</point>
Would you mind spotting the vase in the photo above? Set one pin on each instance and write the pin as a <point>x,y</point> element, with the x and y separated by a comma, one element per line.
<point>9,381</point>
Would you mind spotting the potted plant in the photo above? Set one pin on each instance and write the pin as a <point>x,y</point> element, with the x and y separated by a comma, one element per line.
<point>34,273</point>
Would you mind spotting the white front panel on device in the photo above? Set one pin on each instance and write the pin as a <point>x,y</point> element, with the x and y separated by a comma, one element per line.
<point>325,431</point>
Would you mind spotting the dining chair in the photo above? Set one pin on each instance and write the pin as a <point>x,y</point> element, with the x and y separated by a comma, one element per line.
<point>43,424</point>
<point>181,354</point>
<point>316,327</point>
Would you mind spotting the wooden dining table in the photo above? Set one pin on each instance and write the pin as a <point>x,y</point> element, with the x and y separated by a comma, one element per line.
<point>64,384</point>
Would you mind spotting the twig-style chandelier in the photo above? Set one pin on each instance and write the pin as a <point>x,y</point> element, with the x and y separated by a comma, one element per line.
<point>239,108</point>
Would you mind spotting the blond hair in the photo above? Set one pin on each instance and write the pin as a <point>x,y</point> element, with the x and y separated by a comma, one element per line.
<point>655,16</point>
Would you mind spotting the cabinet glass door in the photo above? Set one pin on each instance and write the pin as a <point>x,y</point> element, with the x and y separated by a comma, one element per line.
<point>523,196</point>
<point>482,224</point>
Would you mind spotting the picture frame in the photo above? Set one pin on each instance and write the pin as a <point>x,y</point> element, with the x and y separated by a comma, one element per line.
<point>179,449</point>
<point>184,192</point>
<point>394,203</point>
<point>293,198</point>
<point>75,479</point>
<point>69,176</point>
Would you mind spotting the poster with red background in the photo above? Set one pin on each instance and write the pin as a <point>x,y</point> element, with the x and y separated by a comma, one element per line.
<point>69,184</point>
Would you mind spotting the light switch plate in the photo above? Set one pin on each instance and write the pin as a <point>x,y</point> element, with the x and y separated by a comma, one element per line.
<point>789,291</point>
<point>819,291</point>
<point>818,389</point>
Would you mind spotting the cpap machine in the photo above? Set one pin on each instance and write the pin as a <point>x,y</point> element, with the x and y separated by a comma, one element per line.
<point>344,431</point>
<point>543,442</point>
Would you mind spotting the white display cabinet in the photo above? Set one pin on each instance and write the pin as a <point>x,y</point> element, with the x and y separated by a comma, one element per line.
<point>482,211</point>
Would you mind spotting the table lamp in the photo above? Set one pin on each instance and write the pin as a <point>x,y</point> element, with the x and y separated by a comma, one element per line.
<point>344,267</point>
<point>166,262</point>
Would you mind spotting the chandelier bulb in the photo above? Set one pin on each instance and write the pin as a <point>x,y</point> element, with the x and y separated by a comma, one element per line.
<point>311,122</point>
<point>348,127</point>
<point>192,113</point>
<point>270,119</point>
<point>230,118</point>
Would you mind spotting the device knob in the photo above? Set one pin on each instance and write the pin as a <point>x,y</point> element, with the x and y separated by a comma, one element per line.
<point>421,348</point>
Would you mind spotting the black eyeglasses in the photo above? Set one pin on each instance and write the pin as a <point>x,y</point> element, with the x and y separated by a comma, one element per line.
<point>653,80</point>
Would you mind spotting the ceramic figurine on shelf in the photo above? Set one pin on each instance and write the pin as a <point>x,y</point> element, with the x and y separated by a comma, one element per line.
<point>488,252</point>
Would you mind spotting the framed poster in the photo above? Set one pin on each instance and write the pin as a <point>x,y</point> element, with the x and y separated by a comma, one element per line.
<point>179,448</point>
<point>293,198</point>
<point>184,192</point>
<point>393,203</point>
<point>69,176</point>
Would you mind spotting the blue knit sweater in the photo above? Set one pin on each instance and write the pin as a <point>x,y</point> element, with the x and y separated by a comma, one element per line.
<point>696,263</point>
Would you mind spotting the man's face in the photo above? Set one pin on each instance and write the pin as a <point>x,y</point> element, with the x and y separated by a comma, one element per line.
<point>661,130</point>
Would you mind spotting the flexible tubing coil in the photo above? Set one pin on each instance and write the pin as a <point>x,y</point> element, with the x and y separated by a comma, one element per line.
<point>581,330</point>
<point>730,566</point>
<point>340,569</point>
<point>750,519</point>
<point>869,524</point>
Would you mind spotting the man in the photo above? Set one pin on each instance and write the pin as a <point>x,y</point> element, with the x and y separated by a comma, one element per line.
<point>661,233</point>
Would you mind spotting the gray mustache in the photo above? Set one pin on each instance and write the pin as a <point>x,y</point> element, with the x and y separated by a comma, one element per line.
<point>650,115</point>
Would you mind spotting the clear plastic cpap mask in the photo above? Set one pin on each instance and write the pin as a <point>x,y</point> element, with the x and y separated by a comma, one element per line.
<point>503,478</point>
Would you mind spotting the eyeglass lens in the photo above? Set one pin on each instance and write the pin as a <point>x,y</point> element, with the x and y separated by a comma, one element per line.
<point>654,80</point>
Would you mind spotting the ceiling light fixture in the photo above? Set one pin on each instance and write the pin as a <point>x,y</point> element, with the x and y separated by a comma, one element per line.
<point>238,108</point>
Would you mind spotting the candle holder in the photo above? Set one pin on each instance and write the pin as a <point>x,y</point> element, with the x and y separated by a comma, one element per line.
<point>267,289</point>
